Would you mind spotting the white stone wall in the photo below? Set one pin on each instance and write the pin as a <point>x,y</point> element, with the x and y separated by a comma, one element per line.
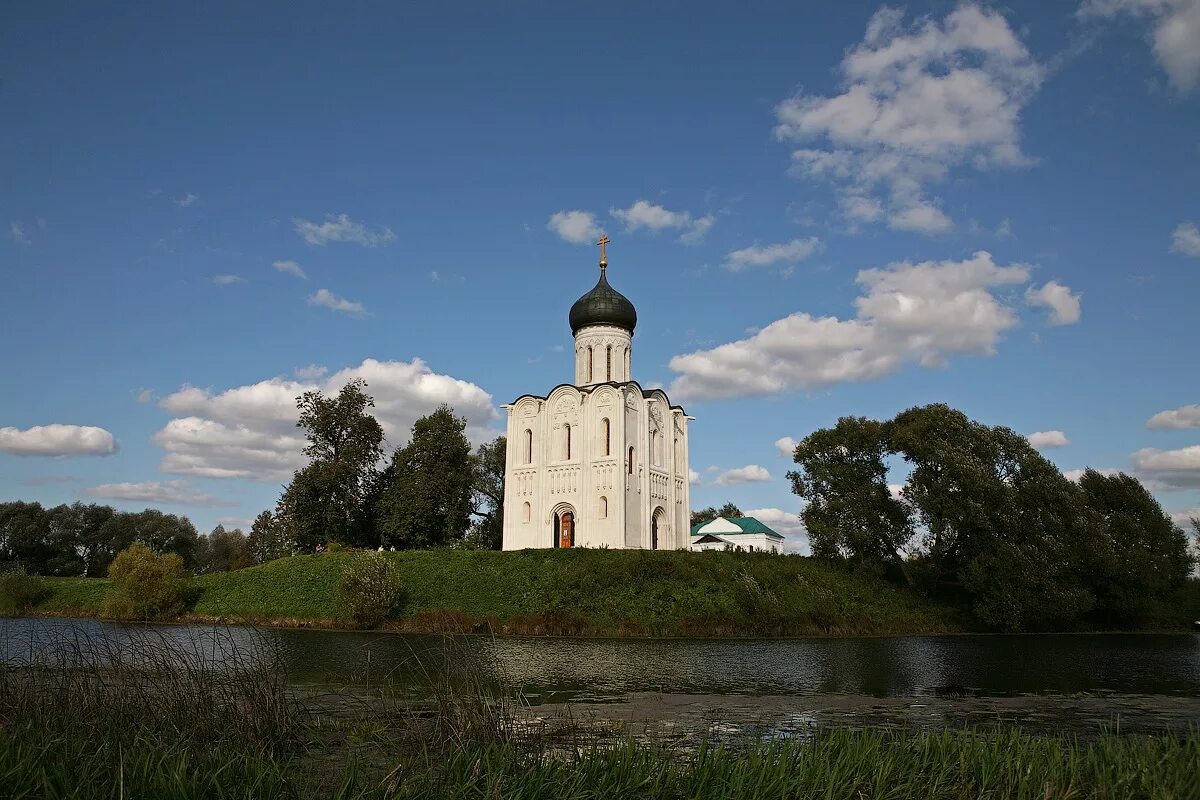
<point>603,353</point>
<point>614,506</point>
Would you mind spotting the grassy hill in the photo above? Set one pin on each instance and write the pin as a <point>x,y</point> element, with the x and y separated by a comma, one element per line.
<point>587,592</point>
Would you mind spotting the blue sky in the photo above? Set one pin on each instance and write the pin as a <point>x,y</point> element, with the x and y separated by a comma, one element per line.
<point>818,210</point>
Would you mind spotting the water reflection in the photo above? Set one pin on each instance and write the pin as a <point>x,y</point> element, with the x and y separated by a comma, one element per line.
<point>552,669</point>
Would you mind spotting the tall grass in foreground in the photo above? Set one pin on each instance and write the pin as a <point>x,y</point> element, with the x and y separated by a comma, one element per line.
<point>147,684</point>
<point>840,763</point>
<point>147,715</point>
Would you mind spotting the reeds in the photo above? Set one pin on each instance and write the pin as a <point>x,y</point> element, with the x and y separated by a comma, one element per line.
<point>211,687</point>
<point>86,713</point>
<point>840,763</point>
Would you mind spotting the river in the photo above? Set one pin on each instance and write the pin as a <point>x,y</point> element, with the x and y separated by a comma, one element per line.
<point>1056,679</point>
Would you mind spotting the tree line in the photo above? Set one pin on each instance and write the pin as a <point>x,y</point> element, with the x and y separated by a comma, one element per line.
<point>984,518</point>
<point>81,540</point>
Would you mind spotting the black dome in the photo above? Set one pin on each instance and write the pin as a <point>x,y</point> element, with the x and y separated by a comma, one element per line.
<point>603,305</point>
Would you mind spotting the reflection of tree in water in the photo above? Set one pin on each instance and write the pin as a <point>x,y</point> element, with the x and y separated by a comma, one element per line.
<point>561,669</point>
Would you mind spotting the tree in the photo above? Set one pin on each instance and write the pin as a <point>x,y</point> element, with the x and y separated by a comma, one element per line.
<point>268,539</point>
<point>1001,522</point>
<point>849,510</point>
<point>84,539</point>
<point>146,585</point>
<point>24,536</point>
<point>487,491</point>
<point>1139,559</point>
<point>344,447</point>
<point>728,511</point>
<point>984,516</point>
<point>428,503</point>
<point>163,533</point>
<point>222,551</point>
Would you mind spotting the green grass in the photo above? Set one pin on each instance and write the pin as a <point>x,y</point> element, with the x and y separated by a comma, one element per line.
<point>952,765</point>
<point>589,592</point>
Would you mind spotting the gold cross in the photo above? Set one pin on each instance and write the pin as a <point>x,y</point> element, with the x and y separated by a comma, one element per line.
<point>603,241</point>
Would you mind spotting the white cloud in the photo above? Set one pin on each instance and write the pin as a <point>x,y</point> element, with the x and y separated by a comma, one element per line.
<point>644,214</point>
<point>1174,35</point>
<point>225,280</point>
<point>144,395</point>
<point>329,300</point>
<point>291,268</point>
<point>784,522</point>
<point>1182,417</point>
<point>250,431</point>
<point>920,217</point>
<point>917,102</point>
<point>1042,440</point>
<point>1064,304</point>
<point>311,372</point>
<point>341,228</point>
<point>57,441</point>
<point>577,227</point>
<point>1186,239</point>
<point>699,229</point>
<point>765,255</point>
<point>919,313</point>
<point>1184,516</point>
<point>1074,475</point>
<point>177,492</point>
<point>786,446</point>
<point>187,200</point>
<point>857,208</point>
<point>242,523</point>
<point>693,477</point>
<point>1170,469</point>
<point>751,473</point>
<point>16,232</point>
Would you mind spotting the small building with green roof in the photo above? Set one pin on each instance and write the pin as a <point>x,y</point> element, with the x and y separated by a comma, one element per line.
<point>736,533</point>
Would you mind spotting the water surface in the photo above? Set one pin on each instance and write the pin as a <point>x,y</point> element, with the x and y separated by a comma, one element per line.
<point>597,669</point>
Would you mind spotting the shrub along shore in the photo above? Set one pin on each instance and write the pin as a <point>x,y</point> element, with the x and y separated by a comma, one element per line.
<point>551,592</point>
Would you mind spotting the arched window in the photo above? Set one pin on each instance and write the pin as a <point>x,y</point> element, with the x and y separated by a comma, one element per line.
<point>605,430</point>
<point>525,513</point>
<point>589,363</point>
<point>655,438</point>
<point>630,460</point>
<point>528,446</point>
<point>608,363</point>
<point>567,437</point>
<point>603,508</point>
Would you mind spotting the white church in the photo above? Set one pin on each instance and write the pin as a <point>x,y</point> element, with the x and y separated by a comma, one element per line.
<point>600,461</point>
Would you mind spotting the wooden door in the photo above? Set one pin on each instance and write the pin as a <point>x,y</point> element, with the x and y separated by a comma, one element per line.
<point>567,530</point>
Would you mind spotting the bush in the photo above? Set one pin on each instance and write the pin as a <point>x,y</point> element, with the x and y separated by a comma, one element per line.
<point>370,591</point>
<point>146,586</point>
<point>21,592</point>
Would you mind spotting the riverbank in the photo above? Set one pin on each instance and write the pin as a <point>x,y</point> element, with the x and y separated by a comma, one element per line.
<point>142,717</point>
<point>562,592</point>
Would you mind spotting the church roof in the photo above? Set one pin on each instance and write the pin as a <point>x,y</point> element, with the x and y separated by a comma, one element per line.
<point>591,387</point>
<point>603,305</point>
<point>747,525</point>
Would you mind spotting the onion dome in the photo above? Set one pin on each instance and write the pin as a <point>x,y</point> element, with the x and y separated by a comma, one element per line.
<point>603,305</point>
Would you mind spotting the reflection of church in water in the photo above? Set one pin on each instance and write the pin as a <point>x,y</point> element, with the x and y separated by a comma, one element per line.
<point>599,462</point>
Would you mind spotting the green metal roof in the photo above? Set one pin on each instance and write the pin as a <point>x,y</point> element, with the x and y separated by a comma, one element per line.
<point>603,305</point>
<point>747,524</point>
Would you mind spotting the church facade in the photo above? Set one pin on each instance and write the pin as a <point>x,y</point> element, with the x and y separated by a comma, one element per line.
<point>600,461</point>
